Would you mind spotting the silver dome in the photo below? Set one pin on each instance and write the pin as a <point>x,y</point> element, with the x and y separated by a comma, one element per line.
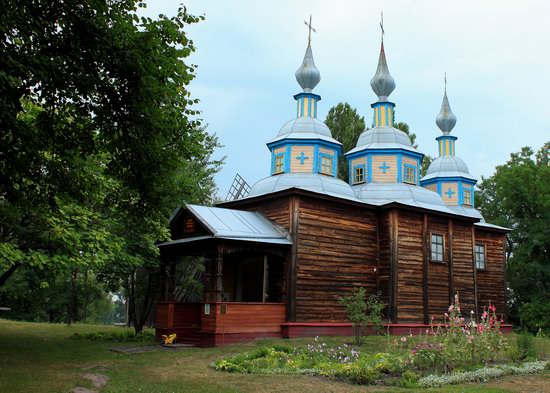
<point>382,83</point>
<point>446,119</point>
<point>447,166</point>
<point>305,128</point>
<point>308,76</point>
<point>383,138</point>
<point>407,194</point>
<point>315,182</point>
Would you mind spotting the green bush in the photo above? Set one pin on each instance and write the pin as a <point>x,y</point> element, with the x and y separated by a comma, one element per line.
<point>357,373</point>
<point>526,346</point>
<point>409,379</point>
<point>121,336</point>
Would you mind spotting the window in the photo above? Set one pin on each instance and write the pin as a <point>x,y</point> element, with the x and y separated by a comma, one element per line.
<point>480,256</point>
<point>359,174</point>
<point>437,248</point>
<point>279,163</point>
<point>410,174</point>
<point>326,165</point>
<point>468,197</point>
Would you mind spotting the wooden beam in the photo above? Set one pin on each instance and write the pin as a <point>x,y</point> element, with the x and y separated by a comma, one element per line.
<point>425,257</point>
<point>207,280</point>
<point>450,256</point>
<point>292,268</point>
<point>505,266</point>
<point>264,284</point>
<point>394,256</point>
<point>218,277</point>
<point>476,296</point>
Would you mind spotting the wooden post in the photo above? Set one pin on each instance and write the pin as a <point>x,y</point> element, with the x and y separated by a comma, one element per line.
<point>163,278</point>
<point>264,285</point>
<point>294,207</point>
<point>394,257</point>
<point>218,278</point>
<point>207,288</point>
<point>425,277</point>
<point>505,267</point>
<point>451,269</point>
<point>171,281</point>
<point>476,300</point>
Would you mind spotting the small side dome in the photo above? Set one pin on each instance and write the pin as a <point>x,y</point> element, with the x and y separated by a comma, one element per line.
<point>308,76</point>
<point>306,181</point>
<point>448,166</point>
<point>382,83</point>
<point>445,120</point>
<point>383,138</point>
<point>407,194</point>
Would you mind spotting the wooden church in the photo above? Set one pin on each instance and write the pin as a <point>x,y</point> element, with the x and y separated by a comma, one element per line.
<point>278,259</point>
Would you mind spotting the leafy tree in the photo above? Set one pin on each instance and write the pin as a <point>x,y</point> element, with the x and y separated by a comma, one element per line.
<point>517,196</point>
<point>100,141</point>
<point>427,160</point>
<point>346,126</point>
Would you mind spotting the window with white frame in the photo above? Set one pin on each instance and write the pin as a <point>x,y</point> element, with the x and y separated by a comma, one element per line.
<point>359,174</point>
<point>326,165</point>
<point>410,174</point>
<point>468,197</point>
<point>437,248</point>
<point>279,163</point>
<point>480,256</point>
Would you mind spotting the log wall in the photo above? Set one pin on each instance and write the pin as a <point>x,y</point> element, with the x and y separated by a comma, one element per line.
<point>463,266</point>
<point>492,281</point>
<point>336,252</point>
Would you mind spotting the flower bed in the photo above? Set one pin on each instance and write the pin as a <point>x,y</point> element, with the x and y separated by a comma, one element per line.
<point>455,352</point>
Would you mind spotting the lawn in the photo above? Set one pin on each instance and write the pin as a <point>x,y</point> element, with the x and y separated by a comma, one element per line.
<point>36,357</point>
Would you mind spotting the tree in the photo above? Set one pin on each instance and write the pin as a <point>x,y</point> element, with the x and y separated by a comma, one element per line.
<point>346,126</point>
<point>427,160</point>
<point>517,196</point>
<point>100,140</point>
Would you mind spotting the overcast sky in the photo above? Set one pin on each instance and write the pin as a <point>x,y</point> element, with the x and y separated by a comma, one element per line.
<point>496,54</point>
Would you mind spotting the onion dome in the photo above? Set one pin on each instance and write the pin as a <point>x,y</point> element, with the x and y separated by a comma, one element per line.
<point>447,166</point>
<point>308,76</point>
<point>382,83</point>
<point>446,119</point>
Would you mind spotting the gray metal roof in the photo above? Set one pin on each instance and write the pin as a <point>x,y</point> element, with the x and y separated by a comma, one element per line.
<point>491,226</point>
<point>383,138</point>
<point>447,166</point>
<point>315,182</point>
<point>382,83</point>
<point>383,193</point>
<point>446,119</point>
<point>238,225</point>
<point>467,211</point>
<point>308,76</point>
<point>305,128</point>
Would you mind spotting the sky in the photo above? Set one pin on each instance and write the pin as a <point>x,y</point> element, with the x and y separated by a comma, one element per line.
<point>495,54</point>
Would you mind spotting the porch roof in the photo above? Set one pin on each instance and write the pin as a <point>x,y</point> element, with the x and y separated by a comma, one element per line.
<point>231,224</point>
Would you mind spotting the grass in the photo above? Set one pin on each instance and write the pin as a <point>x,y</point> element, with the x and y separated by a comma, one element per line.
<point>39,358</point>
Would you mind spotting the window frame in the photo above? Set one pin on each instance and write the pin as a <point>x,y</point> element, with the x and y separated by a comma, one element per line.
<point>484,253</point>
<point>280,156</point>
<point>413,168</point>
<point>442,260</point>
<point>469,191</point>
<point>321,166</point>
<point>354,174</point>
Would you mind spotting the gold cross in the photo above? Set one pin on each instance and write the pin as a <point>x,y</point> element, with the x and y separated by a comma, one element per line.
<point>309,25</point>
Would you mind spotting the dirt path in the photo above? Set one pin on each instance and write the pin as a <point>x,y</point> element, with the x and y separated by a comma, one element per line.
<point>97,380</point>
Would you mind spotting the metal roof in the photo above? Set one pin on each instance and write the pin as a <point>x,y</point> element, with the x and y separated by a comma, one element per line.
<point>406,194</point>
<point>315,182</point>
<point>305,128</point>
<point>383,138</point>
<point>235,225</point>
<point>447,166</point>
<point>467,211</point>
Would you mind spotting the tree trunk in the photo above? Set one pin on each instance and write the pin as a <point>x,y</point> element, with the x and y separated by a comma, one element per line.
<point>7,274</point>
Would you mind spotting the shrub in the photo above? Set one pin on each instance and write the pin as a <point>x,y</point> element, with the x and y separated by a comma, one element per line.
<point>121,336</point>
<point>363,311</point>
<point>409,379</point>
<point>526,346</point>
<point>357,373</point>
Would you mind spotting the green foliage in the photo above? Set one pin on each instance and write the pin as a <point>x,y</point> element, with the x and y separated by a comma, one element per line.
<point>346,126</point>
<point>363,311</point>
<point>100,140</point>
<point>114,336</point>
<point>526,346</point>
<point>517,196</point>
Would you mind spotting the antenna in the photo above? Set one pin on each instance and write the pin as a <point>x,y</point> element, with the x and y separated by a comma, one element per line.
<point>239,189</point>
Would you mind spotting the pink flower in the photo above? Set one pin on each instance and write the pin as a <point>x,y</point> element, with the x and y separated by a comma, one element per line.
<point>446,315</point>
<point>451,308</point>
<point>480,328</point>
<point>484,315</point>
